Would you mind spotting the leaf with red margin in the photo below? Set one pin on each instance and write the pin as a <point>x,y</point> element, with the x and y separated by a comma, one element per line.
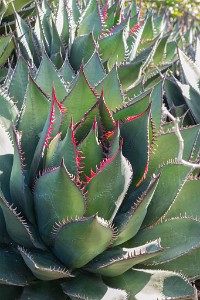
<point>51,129</point>
<point>135,134</point>
<point>106,119</point>
<point>82,97</point>
<point>66,149</point>
<point>92,152</point>
<point>107,188</point>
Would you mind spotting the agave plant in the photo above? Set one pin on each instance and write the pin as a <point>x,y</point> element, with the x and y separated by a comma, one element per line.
<point>89,209</point>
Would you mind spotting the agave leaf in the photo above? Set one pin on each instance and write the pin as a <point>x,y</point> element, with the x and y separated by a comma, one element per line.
<point>94,70</point>
<point>86,286</point>
<point>133,107</point>
<point>66,70</point>
<point>54,119</point>
<point>129,223</point>
<point>171,49</point>
<point>156,98</point>
<point>136,42</point>
<point>112,90</point>
<point>129,74</point>
<point>182,204</point>
<point>91,151</point>
<point>91,20</point>
<point>6,161</point>
<point>179,235</point>
<point>192,100</point>
<point>106,120</point>
<point>62,200</point>
<point>114,137</point>
<point>190,70</point>
<point>151,285</point>
<point>20,193</point>
<point>112,49</point>
<point>8,112</point>
<point>32,120</point>
<point>197,52</point>
<point>25,40</point>
<point>82,96</point>
<point>44,265</point>
<point>4,238</point>
<point>134,132</point>
<point>117,261</point>
<point>19,78</point>
<point>57,47</point>
<point>9,292</point>
<point>107,188</point>
<point>18,228</point>
<point>46,82</point>
<point>74,7</point>
<point>65,149</point>
<point>62,22</point>
<point>173,93</point>
<point>13,270</point>
<point>179,173</point>
<point>187,264</point>
<point>159,54</point>
<point>83,127</point>
<point>81,50</point>
<point>77,252</point>
<point>6,48</point>
<point>168,146</point>
<point>43,290</point>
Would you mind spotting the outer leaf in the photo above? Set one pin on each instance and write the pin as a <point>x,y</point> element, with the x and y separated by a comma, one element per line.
<point>13,269</point>
<point>20,192</point>
<point>117,261</point>
<point>156,98</point>
<point>10,292</point>
<point>91,236</point>
<point>168,146</point>
<point>171,180</point>
<point>129,223</point>
<point>86,286</point>
<point>8,112</point>
<point>62,200</point>
<point>186,201</point>
<point>6,161</point>
<point>174,235</point>
<point>43,291</point>
<point>106,190</point>
<point>44,265</point>
<point>17,227</point>
<point>152,285</point>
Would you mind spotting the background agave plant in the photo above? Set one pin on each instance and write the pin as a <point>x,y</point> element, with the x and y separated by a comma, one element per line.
<point>93,203</point>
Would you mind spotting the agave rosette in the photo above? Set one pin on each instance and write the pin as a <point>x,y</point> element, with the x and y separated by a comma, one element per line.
<point>82,184</point>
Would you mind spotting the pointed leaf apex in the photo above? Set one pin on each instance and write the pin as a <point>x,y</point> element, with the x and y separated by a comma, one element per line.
<point>61,107</point>
<point>95,124</point>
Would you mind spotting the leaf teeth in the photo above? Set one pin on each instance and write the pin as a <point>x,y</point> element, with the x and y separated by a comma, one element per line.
<point>18,136</point>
